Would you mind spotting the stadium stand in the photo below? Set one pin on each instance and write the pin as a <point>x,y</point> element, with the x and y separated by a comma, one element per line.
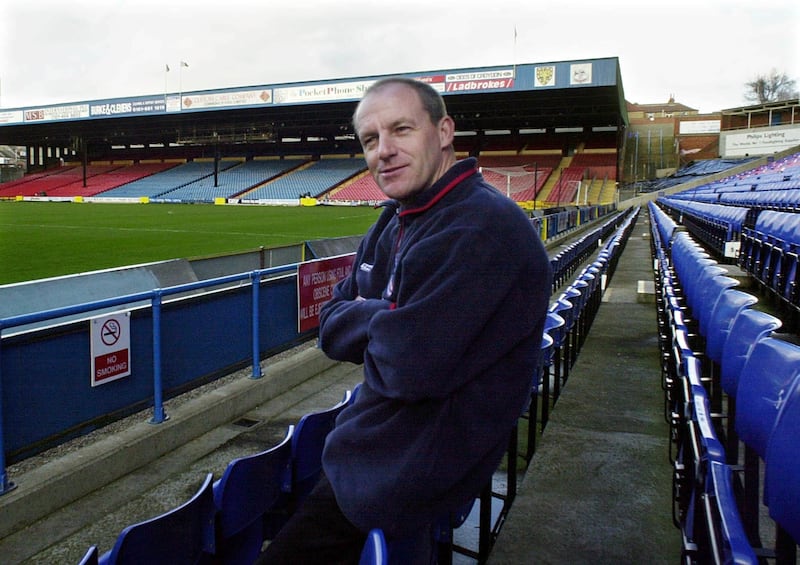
<point>362,189</point>
<point>315,179</point>
<point>166,181</point>
<point>232,181</point>
<point>567,185</point>
<point>68,181</point>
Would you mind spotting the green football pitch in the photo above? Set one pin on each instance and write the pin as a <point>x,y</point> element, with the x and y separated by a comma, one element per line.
<point>48,239</point>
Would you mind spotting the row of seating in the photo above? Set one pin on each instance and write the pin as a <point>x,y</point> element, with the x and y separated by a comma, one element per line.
<point>769,252</point>
<point>570,315</point>
<point>566,261</point>
<point>228,520</point>
<point>232,181</point>
<point>165,181</point>
<point>729,378</point>
<point>316,179</point>
<point>568,320</point>
<point>779,174</point>
<point>716,225</point>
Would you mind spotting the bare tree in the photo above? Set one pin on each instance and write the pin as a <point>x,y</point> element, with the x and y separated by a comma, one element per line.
<point>772,87</point>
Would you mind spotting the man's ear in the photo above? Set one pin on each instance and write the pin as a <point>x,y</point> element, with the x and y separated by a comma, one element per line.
<point>447,131</point>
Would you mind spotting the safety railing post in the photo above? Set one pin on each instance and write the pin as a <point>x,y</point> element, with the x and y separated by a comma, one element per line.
<point>255,276</point>
<point>158,401</point>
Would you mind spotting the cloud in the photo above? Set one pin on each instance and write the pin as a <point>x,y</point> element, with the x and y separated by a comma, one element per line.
<point>702,52</point>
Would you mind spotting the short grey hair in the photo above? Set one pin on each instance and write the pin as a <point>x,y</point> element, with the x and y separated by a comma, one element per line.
<point>432,101</point>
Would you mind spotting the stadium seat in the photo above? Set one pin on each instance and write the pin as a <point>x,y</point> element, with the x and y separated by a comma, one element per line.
<point>374,552</point>
<point>782,475</point>
<point>554,326</point>
<point>727,308</point>
<point>541,375</point>
<point>729,543</point>
<point>561,355</point>
<point>308,441</point>
<point>772,366</point>
<point>176,537</point>
<point>90,557</point>
<point>249,488</point>
<point>305,469</point>
<point>747,329</point>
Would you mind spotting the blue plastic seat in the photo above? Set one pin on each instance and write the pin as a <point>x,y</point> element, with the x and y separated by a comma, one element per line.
<point>305,470</point>
<point>540,382</point>
<point>729,306</point>
<point>770,369</point>
<point>250,487</point>
<point>374,552</point>
<point>90,557</point>
<point>731,544</point>
<point>715,288</point>
<point>772,366</point>
<point>782,476</point>
<point>747,329</point>
<point>308,441</point>
<point>564,308</point>
<point>179,536</point>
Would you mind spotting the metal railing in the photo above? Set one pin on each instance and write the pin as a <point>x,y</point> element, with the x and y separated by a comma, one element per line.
<point>155,297</point>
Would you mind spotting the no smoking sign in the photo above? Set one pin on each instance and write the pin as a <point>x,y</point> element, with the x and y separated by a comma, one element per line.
<point>111,346</point>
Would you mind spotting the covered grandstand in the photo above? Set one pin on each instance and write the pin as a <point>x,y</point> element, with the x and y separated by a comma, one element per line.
<point>556,125</point>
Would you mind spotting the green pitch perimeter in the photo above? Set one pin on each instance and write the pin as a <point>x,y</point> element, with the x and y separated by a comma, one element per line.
<point>48,239</point>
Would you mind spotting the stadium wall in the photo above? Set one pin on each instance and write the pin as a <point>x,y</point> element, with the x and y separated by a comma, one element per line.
<point>47,392</point>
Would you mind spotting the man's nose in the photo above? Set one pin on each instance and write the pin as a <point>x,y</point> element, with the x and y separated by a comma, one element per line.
<point>386,146</point>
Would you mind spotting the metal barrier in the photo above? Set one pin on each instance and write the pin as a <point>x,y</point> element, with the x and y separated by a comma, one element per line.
<point>155,297</point>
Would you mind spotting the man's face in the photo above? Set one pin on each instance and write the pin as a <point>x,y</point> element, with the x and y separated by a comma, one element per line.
<point>403,149</point>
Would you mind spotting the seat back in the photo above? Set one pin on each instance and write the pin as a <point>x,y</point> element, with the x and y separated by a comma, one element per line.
<point>715,288</point>
<point>565,309</point>
<point>179,536</point>
<point>308,442</point>
<point>747,329</point>
<point>250,487</point>
<point>782,477</point>
<point>770,369</point>
<point>90,557</point>
<point>374,552</point>
<point>728,306</point>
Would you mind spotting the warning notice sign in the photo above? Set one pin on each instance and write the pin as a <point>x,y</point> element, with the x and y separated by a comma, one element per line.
<point>315,282</point>
<point>110,347</point>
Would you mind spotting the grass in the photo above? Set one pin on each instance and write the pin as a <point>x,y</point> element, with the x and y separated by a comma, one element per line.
<point>47,239</point>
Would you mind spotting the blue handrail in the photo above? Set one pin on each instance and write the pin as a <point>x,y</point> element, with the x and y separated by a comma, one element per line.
<point>155,297</point>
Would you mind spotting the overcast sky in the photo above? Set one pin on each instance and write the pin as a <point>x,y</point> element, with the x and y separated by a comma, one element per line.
<point>701,51</point>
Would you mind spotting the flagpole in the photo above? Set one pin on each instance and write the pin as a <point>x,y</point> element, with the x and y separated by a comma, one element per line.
<point>514,53</point>
<point>166,71</point>
<point>180,82</point>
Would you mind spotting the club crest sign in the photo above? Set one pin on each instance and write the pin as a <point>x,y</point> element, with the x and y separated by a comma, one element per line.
<point>545,76</point>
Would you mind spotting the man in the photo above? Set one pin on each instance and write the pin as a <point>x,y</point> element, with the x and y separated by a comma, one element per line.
<point>445,308</point>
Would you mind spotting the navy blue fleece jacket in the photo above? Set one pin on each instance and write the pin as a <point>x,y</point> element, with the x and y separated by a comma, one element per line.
<point>455,288</point>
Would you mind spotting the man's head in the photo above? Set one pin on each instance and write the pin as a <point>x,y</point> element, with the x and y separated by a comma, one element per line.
<point>406,135</point>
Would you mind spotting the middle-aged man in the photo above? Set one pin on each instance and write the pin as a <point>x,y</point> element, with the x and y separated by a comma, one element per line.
<point>445,308</point>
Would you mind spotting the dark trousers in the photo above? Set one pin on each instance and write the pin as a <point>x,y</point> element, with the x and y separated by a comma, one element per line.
<point>319,534</point>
